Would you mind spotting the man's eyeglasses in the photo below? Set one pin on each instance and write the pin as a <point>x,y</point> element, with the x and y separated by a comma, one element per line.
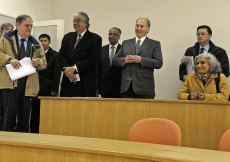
<point>201,34</point>
<point>113,34</point>
<point>77,21</point>
<point>28,26</point>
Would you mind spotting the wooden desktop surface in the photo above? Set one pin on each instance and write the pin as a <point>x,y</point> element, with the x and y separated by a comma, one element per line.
<point>26,147</point>
<point>202,123</point>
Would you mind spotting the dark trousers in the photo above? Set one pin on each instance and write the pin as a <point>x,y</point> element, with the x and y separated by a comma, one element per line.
<point>1,106</point>
<point>111,95</point>
<point>131,94</point>
<point>35,116</point>
<point>17,108</point>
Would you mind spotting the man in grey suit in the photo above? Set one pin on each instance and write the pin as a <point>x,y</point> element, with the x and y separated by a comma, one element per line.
<point>139,57</point>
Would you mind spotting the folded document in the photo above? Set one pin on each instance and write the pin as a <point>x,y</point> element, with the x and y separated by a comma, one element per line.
<point>25,70</point>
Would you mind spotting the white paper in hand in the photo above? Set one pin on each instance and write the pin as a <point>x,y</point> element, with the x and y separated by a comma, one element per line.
<point>25,70</point>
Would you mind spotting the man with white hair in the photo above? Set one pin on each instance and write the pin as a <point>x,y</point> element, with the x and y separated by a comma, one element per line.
<point>79,54</point>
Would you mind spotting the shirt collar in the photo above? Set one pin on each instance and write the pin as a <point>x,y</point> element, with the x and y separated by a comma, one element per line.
<point>82,34</point>
<point>19,38</point>
<point>115,46</point>
<point>205,47</point>
<point>47,50</point>
<point>142,39</point>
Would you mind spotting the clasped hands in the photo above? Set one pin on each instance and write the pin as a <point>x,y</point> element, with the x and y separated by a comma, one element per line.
<point>69,72</point>
<point>132,59</point>
<point>16,64</point>
<point>197,96</point>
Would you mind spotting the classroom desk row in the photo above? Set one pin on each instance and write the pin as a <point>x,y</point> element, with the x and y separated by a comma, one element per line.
<point>202,123</point>
<point>26,147</point>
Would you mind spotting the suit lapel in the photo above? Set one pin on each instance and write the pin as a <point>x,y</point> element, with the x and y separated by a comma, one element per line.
<point>132,46</point>
<point>106,52</point>
<point>118,47</point>
<point>144,45</point>
<point>81,43</point>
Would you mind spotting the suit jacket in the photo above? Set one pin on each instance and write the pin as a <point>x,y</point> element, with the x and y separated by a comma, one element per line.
<point>86,56</point>
<point>49,78</point>
<point>110,76</point>
<point>141,74</point>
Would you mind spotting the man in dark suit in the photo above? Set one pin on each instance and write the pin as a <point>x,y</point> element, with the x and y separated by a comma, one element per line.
<point>139,57</point>
<point>203,45</point>
<point>79,54</point>
<point>110,76</point>
<point>48,80</point>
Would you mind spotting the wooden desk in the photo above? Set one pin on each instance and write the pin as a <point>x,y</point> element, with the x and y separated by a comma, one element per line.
<point>202,123</point>
<point>25,147</point>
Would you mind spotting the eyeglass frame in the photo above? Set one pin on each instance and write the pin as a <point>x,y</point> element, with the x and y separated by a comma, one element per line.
<point>201,34</point>
<point>28,26</point>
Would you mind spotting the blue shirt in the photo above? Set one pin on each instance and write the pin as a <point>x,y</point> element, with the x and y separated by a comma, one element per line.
<point>25,42</point>
<point>206,48</point>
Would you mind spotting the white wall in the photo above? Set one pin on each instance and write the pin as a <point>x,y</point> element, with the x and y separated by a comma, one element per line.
<point>173,23</point>
<point>38,9</point>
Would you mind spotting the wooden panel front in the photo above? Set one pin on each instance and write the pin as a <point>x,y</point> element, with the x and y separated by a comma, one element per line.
<point>202,123</point>
<point>110,119</point>
<point>28,147</point>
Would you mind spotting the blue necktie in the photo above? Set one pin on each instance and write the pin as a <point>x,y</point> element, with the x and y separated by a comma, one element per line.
<point>22,49</point>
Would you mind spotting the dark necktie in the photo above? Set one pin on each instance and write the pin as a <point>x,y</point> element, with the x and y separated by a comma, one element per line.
<point>111,55</point>
<point>138,46</point>
<point>201,50</point>
<point>77,41</point>
<point>22,49</point>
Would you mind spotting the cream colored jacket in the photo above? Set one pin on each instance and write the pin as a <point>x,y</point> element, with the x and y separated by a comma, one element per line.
<point>7,52</point>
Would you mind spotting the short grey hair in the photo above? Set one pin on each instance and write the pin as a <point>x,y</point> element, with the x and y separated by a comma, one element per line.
<point>22,18</point>
<point>214,64</point>
<point>5,25</point>
<point>148,21</point>
<point>84,16</point>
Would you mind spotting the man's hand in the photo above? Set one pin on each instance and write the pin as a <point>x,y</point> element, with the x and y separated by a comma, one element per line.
<point>129,59</point>
<point>72,77</point>
<point>34,62</point>
<point>137,59</point>
<point>69,71</point>
<point>15,63</point>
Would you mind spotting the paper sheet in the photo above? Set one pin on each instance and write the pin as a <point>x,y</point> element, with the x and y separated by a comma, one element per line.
<point>25,70</point>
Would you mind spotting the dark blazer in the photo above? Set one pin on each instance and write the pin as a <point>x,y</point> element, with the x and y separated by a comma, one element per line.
<point>140,74</point>
<point>110,76</point>
<point>49,78</point>
<point>86,56</point>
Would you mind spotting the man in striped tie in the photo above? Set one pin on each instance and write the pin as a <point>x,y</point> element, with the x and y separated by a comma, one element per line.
<point>18,94</point>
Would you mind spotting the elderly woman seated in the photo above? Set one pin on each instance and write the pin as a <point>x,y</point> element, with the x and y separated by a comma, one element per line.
<point>201,85</point>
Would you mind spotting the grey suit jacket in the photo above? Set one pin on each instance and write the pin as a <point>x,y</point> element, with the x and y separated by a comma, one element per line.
<point>141,74</point>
